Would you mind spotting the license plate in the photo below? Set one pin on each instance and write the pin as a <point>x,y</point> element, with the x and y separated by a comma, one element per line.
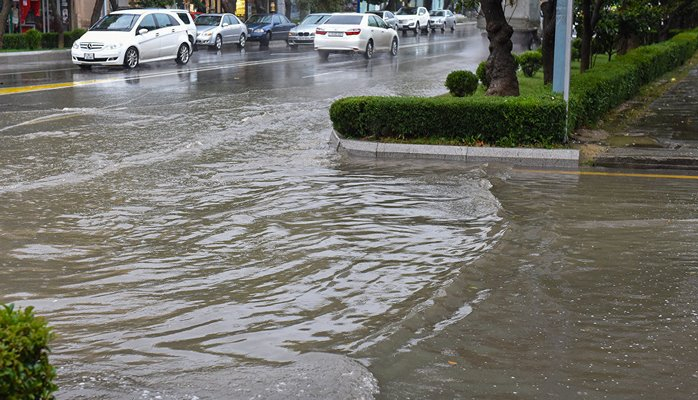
<point>89,56</point>
<point>335,34</point>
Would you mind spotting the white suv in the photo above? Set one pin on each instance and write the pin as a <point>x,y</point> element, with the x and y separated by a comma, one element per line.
<point>130,37</point>
<point>413,19</point>
<point>187,19</point>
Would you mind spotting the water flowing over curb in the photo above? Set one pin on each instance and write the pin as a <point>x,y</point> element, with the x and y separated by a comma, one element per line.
<point>544,158</point>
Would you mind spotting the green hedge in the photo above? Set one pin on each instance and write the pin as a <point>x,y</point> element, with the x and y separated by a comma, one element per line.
<point>20,41</point>
<point>510,121</point>
<point>513,121</point>
<point>25,372</point>
<point>605,87</point>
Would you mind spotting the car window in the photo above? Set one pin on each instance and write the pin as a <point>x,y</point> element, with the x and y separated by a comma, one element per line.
<point>148,23</point>
<point>265,19</point>
<point>226,20</point>
<point>283,19</point>
<point>276,20</point>
<point>207,20</point>
<point>389,15</point>
<point>344,20</point>
<point>407,11</point>
<point>421,11</point>
<point>162,20</point>
<point>382,24</point>
<point>185,17</point>
<point>115,22</point>
<point>315,19</point>
<point>372,20</point>
<point>448,13</point>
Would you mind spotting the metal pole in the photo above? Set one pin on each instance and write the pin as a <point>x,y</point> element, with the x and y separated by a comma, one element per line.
<point>105,7</point>
<point>563,36</point>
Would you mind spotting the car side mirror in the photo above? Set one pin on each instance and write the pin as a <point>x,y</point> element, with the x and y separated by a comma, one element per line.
<point>142,31</point>
<point>225,24</point>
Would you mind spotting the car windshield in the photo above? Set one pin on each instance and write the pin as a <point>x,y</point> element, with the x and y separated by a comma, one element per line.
<point>115,22</point>
<point>208,20</point>
<point>407,11</point>
<point>266,19</point>
<point>313,19</point>
<point>439,13</point>
<point>344,20</point>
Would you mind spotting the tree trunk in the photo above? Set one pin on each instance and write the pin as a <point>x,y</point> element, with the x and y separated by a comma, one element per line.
<point>229,6</point>
<point>590,19</point>
<point>500,64</point>
<point>57,22</point>
<point>549,9</point>
<point>6,5</point>
<point>97,11</point>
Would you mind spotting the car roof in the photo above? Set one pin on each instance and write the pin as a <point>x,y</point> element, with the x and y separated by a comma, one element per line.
<point>140,11</point>
<point>214,14</point>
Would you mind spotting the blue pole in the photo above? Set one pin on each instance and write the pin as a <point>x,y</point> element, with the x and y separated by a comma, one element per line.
<point>563,44</point>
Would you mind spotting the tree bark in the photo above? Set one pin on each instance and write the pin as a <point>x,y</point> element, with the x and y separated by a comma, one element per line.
<point>549,8</point>
<point>6,5</point>
<point>500,64</point>
<point>590,19</point>
<point>229,6</point>
<point>58,22</point>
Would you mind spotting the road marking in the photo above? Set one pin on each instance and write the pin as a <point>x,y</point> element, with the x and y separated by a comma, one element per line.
<point>64,85</point>
<point>614,174</point>
<point>321,74</point>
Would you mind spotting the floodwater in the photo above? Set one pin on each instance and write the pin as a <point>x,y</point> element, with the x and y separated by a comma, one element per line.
<point>205,242</point>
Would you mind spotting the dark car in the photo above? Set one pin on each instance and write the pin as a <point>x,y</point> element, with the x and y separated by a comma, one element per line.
<point>387,16</point>
<point>264,28</point>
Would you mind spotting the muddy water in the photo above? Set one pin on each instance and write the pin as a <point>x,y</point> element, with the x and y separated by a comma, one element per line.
<point>207,244</point>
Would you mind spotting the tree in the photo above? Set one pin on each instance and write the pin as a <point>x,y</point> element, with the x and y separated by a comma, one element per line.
<point>590,17</point>
<point>99,8</point>
<point>58,23</point>
<point>501,66</point>
<point>548,8</point>
<point>4,12</point>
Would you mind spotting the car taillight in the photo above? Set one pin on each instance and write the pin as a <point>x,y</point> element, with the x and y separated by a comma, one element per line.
<point>350,32</point>
<point>319,31</point>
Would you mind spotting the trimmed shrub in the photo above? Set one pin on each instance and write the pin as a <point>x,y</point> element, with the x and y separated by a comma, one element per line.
<point>49,40</point>
<point>500,121</point>
<point>531,62</point>
<point>461,83</point>
<point>25,372</point>
<point>33,39</point>
<point>605,87</point>
<point>481,73</point>
<point>14,41</point>
<point>72,36</point>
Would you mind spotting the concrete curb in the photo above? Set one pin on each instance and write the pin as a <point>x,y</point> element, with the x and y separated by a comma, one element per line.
<point>543,158</point>
<point>35,56</point>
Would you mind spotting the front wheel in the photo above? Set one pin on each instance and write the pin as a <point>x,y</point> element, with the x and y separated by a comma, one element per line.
<point>324,54</point>
<point>453,27</point>
<point>416,29</point>
<point>131,58</point>
<point>182,54</point>
<point>369,50</point>
<point>242,41</point>
<point>219,43</point>
<point>85,67</point>
<point>393,48</point>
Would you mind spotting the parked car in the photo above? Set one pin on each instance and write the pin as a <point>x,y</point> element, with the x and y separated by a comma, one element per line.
<point>264,28</point>
<point>413,19</point>
<point>213,30</point>
<point>388,17</point>
<point>187,20</point>
<point>304,33</point>
<point>355,33</point>
<point>442,19</point>
<point>131,37</point>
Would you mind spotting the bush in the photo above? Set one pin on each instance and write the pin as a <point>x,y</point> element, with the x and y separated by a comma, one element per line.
<point>531,62</point>
<point>500,121</point>
<point>33,39</point>
<point>49,40</point>
<point>25,372</point>
<point>461,83</point>
<point>14,41</point>
<point>481,73</point>
<point>605,87</point>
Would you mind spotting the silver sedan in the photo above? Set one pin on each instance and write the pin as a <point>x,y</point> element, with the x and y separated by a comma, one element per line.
<point>214,30</point>
<point>442,19</point>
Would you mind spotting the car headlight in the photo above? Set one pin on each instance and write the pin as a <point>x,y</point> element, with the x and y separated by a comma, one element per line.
<point>207,34</point>
<point>113,46</point>
<point>76,45</point>
<point>258,30</point>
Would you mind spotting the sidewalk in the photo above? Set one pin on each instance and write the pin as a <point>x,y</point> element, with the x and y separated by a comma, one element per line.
<point>664,137</point>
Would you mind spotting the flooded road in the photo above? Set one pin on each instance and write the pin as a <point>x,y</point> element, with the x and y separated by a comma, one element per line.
<point>190,235</point>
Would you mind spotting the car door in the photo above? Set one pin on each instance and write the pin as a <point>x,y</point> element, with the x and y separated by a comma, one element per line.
<point>390,19</point>
<point>169,30</point>
<point>378,30</point>
<point>232,30</point>
<point>149,46</point>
